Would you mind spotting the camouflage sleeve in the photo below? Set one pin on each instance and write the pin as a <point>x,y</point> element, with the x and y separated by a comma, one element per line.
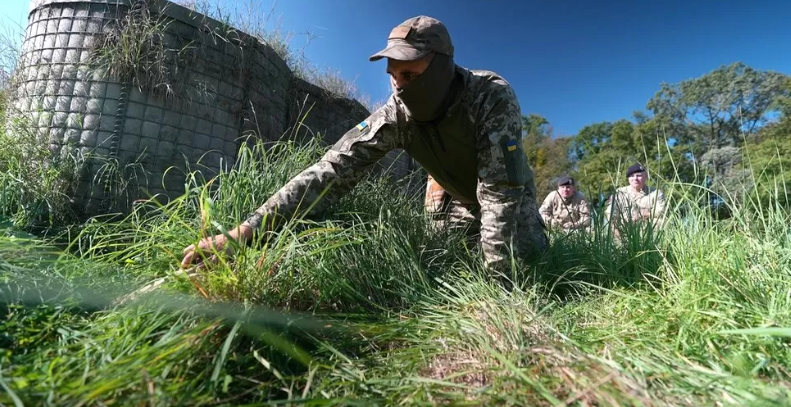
<point>338,171</point>
<point>585,214</point>
<point>546,209</point>
<point>502,174</point>
<point>660,209</point>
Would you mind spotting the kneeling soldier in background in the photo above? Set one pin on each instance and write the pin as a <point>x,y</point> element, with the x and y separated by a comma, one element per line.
<point>566,208</point>
<point>636,202</point>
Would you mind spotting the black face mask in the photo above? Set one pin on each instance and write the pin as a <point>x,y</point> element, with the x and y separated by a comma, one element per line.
<point>425,97</point>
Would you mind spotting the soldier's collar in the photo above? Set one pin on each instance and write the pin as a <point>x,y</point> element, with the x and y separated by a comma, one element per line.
<point>457,91</point>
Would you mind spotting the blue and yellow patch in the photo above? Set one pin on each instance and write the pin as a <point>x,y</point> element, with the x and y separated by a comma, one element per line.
<point>362,126</point>
<point>516,168</point>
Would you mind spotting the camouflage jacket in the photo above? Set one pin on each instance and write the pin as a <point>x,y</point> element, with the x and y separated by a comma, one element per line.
<point>475,154</point>
<point>625,205</point>
<point>571,213</point>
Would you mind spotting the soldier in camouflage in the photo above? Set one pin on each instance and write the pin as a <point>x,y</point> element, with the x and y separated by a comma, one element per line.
<point>566,208</point>
<point>636,202</point>
<point>462,126</point>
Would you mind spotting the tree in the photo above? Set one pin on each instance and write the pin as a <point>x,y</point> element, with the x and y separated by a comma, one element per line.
<point>548,156</point>
<point>720,108</point>
<point>704,122</point>
<point>769,157</point>
<point>603,152</point>
<point>536,131</point>
<point>710,118</point>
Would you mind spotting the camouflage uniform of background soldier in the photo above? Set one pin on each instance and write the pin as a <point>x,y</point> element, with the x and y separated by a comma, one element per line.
<point>636,203</point>
<point>462,126</point>
<point>566,208</point>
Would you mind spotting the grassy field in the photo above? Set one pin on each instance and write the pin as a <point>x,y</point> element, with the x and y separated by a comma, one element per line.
<point>368,306</point>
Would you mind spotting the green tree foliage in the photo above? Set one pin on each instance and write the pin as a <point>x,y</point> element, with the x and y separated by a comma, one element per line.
<point>699,124</point>
<point>548,156</point>
<point>720,108</point>
<point>603,151</point>
<point>769,156</point>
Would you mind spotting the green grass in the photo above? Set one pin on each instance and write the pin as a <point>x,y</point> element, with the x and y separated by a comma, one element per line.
<point>35,185</point>
<point>365,305</point>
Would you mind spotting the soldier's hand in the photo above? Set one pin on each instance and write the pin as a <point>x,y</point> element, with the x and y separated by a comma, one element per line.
<point>207,246</point>
<point>211,246</point>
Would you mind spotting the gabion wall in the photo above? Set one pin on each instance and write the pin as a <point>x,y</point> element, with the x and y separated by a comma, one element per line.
<point>198,87</point>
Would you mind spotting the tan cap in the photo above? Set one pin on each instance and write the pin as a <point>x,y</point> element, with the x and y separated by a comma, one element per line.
<point>416,38</point>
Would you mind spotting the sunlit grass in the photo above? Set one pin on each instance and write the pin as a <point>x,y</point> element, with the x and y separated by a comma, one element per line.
<point>367,305</point>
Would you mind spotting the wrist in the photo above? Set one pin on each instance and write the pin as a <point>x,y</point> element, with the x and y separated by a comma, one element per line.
<point>253,221</point>
<point>243,232</point>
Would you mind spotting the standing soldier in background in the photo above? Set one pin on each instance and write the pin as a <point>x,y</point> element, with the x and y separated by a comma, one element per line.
<point>636,202</point>
<point>463,127</point>
<point>566,208</point>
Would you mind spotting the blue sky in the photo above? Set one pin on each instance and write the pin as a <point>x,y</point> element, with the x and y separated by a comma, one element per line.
<point>575,62</point>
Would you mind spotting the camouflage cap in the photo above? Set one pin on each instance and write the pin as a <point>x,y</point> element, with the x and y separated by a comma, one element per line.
<point>416,38</point>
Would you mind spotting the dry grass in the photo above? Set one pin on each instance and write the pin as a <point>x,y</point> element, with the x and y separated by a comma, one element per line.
<point>266,25</point>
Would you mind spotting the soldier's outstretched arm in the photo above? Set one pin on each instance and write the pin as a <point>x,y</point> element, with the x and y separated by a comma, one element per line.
<point>318,186</point>
<point>338,171</point>
<point>502,174</point>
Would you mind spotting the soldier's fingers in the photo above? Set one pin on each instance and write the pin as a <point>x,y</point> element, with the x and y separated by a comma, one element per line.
<point>187,260</point>
<point>202,265</point>
<point>188,249</point>
<point>211,243</point>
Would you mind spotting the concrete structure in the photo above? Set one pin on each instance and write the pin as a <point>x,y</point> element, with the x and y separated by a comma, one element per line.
<point>181,88</point>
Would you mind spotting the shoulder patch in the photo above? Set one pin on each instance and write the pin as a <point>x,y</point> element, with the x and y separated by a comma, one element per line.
<point>515,161</point>
<point>363,131</point>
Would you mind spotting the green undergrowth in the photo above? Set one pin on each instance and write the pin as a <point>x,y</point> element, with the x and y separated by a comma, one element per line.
<point>367,305</point>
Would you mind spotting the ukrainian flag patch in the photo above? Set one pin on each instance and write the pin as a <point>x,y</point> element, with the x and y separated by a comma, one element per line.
<point>362,126</point>
<point>511,145</point>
